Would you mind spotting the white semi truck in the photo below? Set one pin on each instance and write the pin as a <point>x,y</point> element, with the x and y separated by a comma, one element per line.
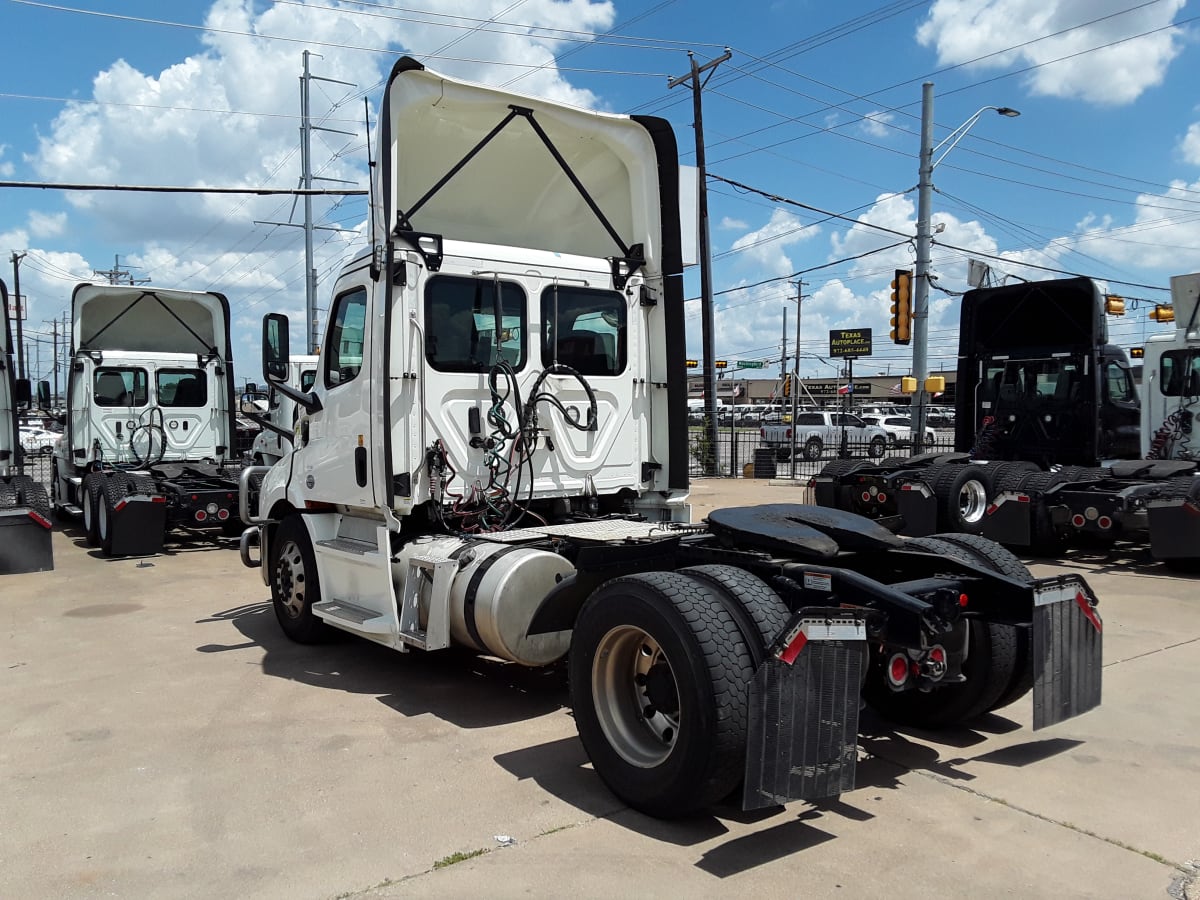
<point>282,412</point>
<point>25,543</point>
<point>494,455</point>
<point>150,417</point>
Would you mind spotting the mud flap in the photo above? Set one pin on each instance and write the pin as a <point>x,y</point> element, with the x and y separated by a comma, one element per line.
<point>1174,528</point>
<point>802,742</point>
<point>1008,520</point>
<point>918,508</point>
<point>25,543</point>
<point>138,527</point>
<point>1067,650</point>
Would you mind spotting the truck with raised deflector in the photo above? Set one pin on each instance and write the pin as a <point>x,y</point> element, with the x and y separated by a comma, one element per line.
<point>492,457</point>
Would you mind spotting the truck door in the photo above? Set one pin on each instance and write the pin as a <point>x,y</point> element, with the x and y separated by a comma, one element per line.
<point>333,466</point>
<point>1120,427</point>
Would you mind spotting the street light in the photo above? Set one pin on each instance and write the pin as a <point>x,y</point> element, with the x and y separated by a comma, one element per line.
<point>920,329</point>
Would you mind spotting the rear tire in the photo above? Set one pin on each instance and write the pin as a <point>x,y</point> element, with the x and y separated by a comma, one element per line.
<point>1005,562</point>
<point>659,676</point>
<point>812,449</point>
<point>963,494</point>
<point>989,668</point>
<point>877,448</point>
<point>295,588</point>
<point>91,489</point>
<point>758,611</point>
<point>116,487</point>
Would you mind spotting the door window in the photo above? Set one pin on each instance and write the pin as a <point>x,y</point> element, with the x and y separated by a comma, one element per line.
<point>1117,383</point>
<point>1179,373</point>
<point>344,344</point>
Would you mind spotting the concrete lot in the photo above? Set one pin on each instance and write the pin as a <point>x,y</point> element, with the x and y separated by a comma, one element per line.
<point>161,738</point>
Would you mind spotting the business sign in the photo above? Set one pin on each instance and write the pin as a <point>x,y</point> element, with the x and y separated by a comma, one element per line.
<point>833,389</point>
<point>848,342</point>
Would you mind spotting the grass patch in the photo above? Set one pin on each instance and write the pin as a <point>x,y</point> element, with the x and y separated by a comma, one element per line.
<point>460,856</point>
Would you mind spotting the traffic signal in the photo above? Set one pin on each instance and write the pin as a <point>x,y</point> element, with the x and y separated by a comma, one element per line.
<point>1114,305</point>
<point>693,363</point>
<point>1137,352</point>
<point>720,363</point>
<point>1162,312</point>
<point>787,385</point>
<point>902,307</point>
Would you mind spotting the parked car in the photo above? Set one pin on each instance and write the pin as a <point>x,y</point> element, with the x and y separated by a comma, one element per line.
<point>815,431</point>
<point>899,429</point>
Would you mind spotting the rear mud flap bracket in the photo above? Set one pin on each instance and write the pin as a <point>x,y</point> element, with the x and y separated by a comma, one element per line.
<point>802,742</point>
<point>1067,650</point>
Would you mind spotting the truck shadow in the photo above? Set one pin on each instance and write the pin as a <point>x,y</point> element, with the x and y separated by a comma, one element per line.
<point>1121,559</point>
<point>462,688</point>
<point>471,691</point>
<point>177,543</point>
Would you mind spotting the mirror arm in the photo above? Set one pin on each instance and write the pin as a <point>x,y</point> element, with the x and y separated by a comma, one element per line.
<point>309,401</point>
<point>270,426</point>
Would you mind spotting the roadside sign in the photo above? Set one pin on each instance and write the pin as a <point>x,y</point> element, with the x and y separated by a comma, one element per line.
<point>850,342</point>
<point>749,363</point>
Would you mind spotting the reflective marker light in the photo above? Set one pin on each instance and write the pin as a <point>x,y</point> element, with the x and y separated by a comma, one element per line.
<point>898,669</point>
<point>201,515</point>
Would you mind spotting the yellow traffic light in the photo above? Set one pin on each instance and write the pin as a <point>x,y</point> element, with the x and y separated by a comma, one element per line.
<point>1114,305</point>
<point>693,363</point>
<point>720,363</point>
<point>787,385</point>
<point>908,385</point>
<point>902,307</point>
<point>1162,312</point>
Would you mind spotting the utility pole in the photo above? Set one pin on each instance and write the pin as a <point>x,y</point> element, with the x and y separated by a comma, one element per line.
<point>783,354</point>
<point>796,373</point>
<point>707,322</point>
<point>16,261</point>
<point>920,331</point>
<point>54,331</point>
<point>117,275</point>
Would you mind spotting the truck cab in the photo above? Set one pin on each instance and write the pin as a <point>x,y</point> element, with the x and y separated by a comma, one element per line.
<point>150,415</point>
<point>1172,380</point>
<point>278,419</point>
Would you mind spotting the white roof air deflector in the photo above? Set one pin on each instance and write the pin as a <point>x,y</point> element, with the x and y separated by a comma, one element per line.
<point>475,163</point>
<point>137,319</point>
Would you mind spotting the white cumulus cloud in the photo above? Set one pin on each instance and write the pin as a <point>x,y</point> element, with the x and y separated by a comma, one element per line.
<point>876,123</point>
<point>1190,145</point>
<point>972,31</point>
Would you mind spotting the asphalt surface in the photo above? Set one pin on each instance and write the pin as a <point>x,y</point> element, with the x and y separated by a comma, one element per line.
<point>161,738</point>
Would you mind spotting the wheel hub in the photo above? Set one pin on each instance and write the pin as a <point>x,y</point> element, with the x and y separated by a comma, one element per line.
<point>636,696</point>
<point>972,501</point>
<point>289,578</point>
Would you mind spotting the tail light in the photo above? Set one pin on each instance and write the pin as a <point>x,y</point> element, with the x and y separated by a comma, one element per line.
<point>897,670</point>
<point>222,514</point>
<point>201,515</point>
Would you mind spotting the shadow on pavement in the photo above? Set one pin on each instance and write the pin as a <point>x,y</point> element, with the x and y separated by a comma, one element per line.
<point>460,687</point>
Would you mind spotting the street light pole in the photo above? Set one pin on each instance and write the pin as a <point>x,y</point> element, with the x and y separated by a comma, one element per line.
<point>920,329</point>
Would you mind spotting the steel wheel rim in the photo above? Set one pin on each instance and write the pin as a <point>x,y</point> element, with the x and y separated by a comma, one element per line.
<point>972,501</point>
<point>88,512</point>
<point>289,579</point>
<point>628,668</point>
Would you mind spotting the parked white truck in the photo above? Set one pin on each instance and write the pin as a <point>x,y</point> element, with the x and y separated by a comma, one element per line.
<point>150,417</point>
<point>282,412</point>
<point>24,507</point>
<point>493,456</point>
<point>815,432</point>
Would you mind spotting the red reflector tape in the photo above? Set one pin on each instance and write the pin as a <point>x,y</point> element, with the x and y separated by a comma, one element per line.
<point>158,499</point>
<point>1089,611</point>
<point>40,519</point>
<point>121,504</point>
<point>792,650</point>
<point>992,507</point>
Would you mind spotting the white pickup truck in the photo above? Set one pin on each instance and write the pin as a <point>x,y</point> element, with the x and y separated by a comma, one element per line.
<point>816,431</point>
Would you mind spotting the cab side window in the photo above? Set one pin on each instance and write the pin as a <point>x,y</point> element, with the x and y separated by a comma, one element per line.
<point>1118,384</point>
<point>473,323</point>
<point>344,343</point>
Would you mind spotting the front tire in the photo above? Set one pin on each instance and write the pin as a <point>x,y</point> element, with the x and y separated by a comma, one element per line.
<point>295,588</point>
<point>877,448</point>
<point>660,675</point>
<point>812,449</point>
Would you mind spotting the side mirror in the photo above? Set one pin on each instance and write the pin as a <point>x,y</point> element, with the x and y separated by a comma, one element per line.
<point>275,349</point>
<point>23,395</point>
<point>43,395</point>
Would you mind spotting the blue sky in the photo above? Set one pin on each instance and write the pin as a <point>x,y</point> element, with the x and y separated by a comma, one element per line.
<point>820,103</point>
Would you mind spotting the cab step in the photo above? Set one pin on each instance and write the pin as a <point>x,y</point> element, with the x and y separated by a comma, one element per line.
<point>355,617</point>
